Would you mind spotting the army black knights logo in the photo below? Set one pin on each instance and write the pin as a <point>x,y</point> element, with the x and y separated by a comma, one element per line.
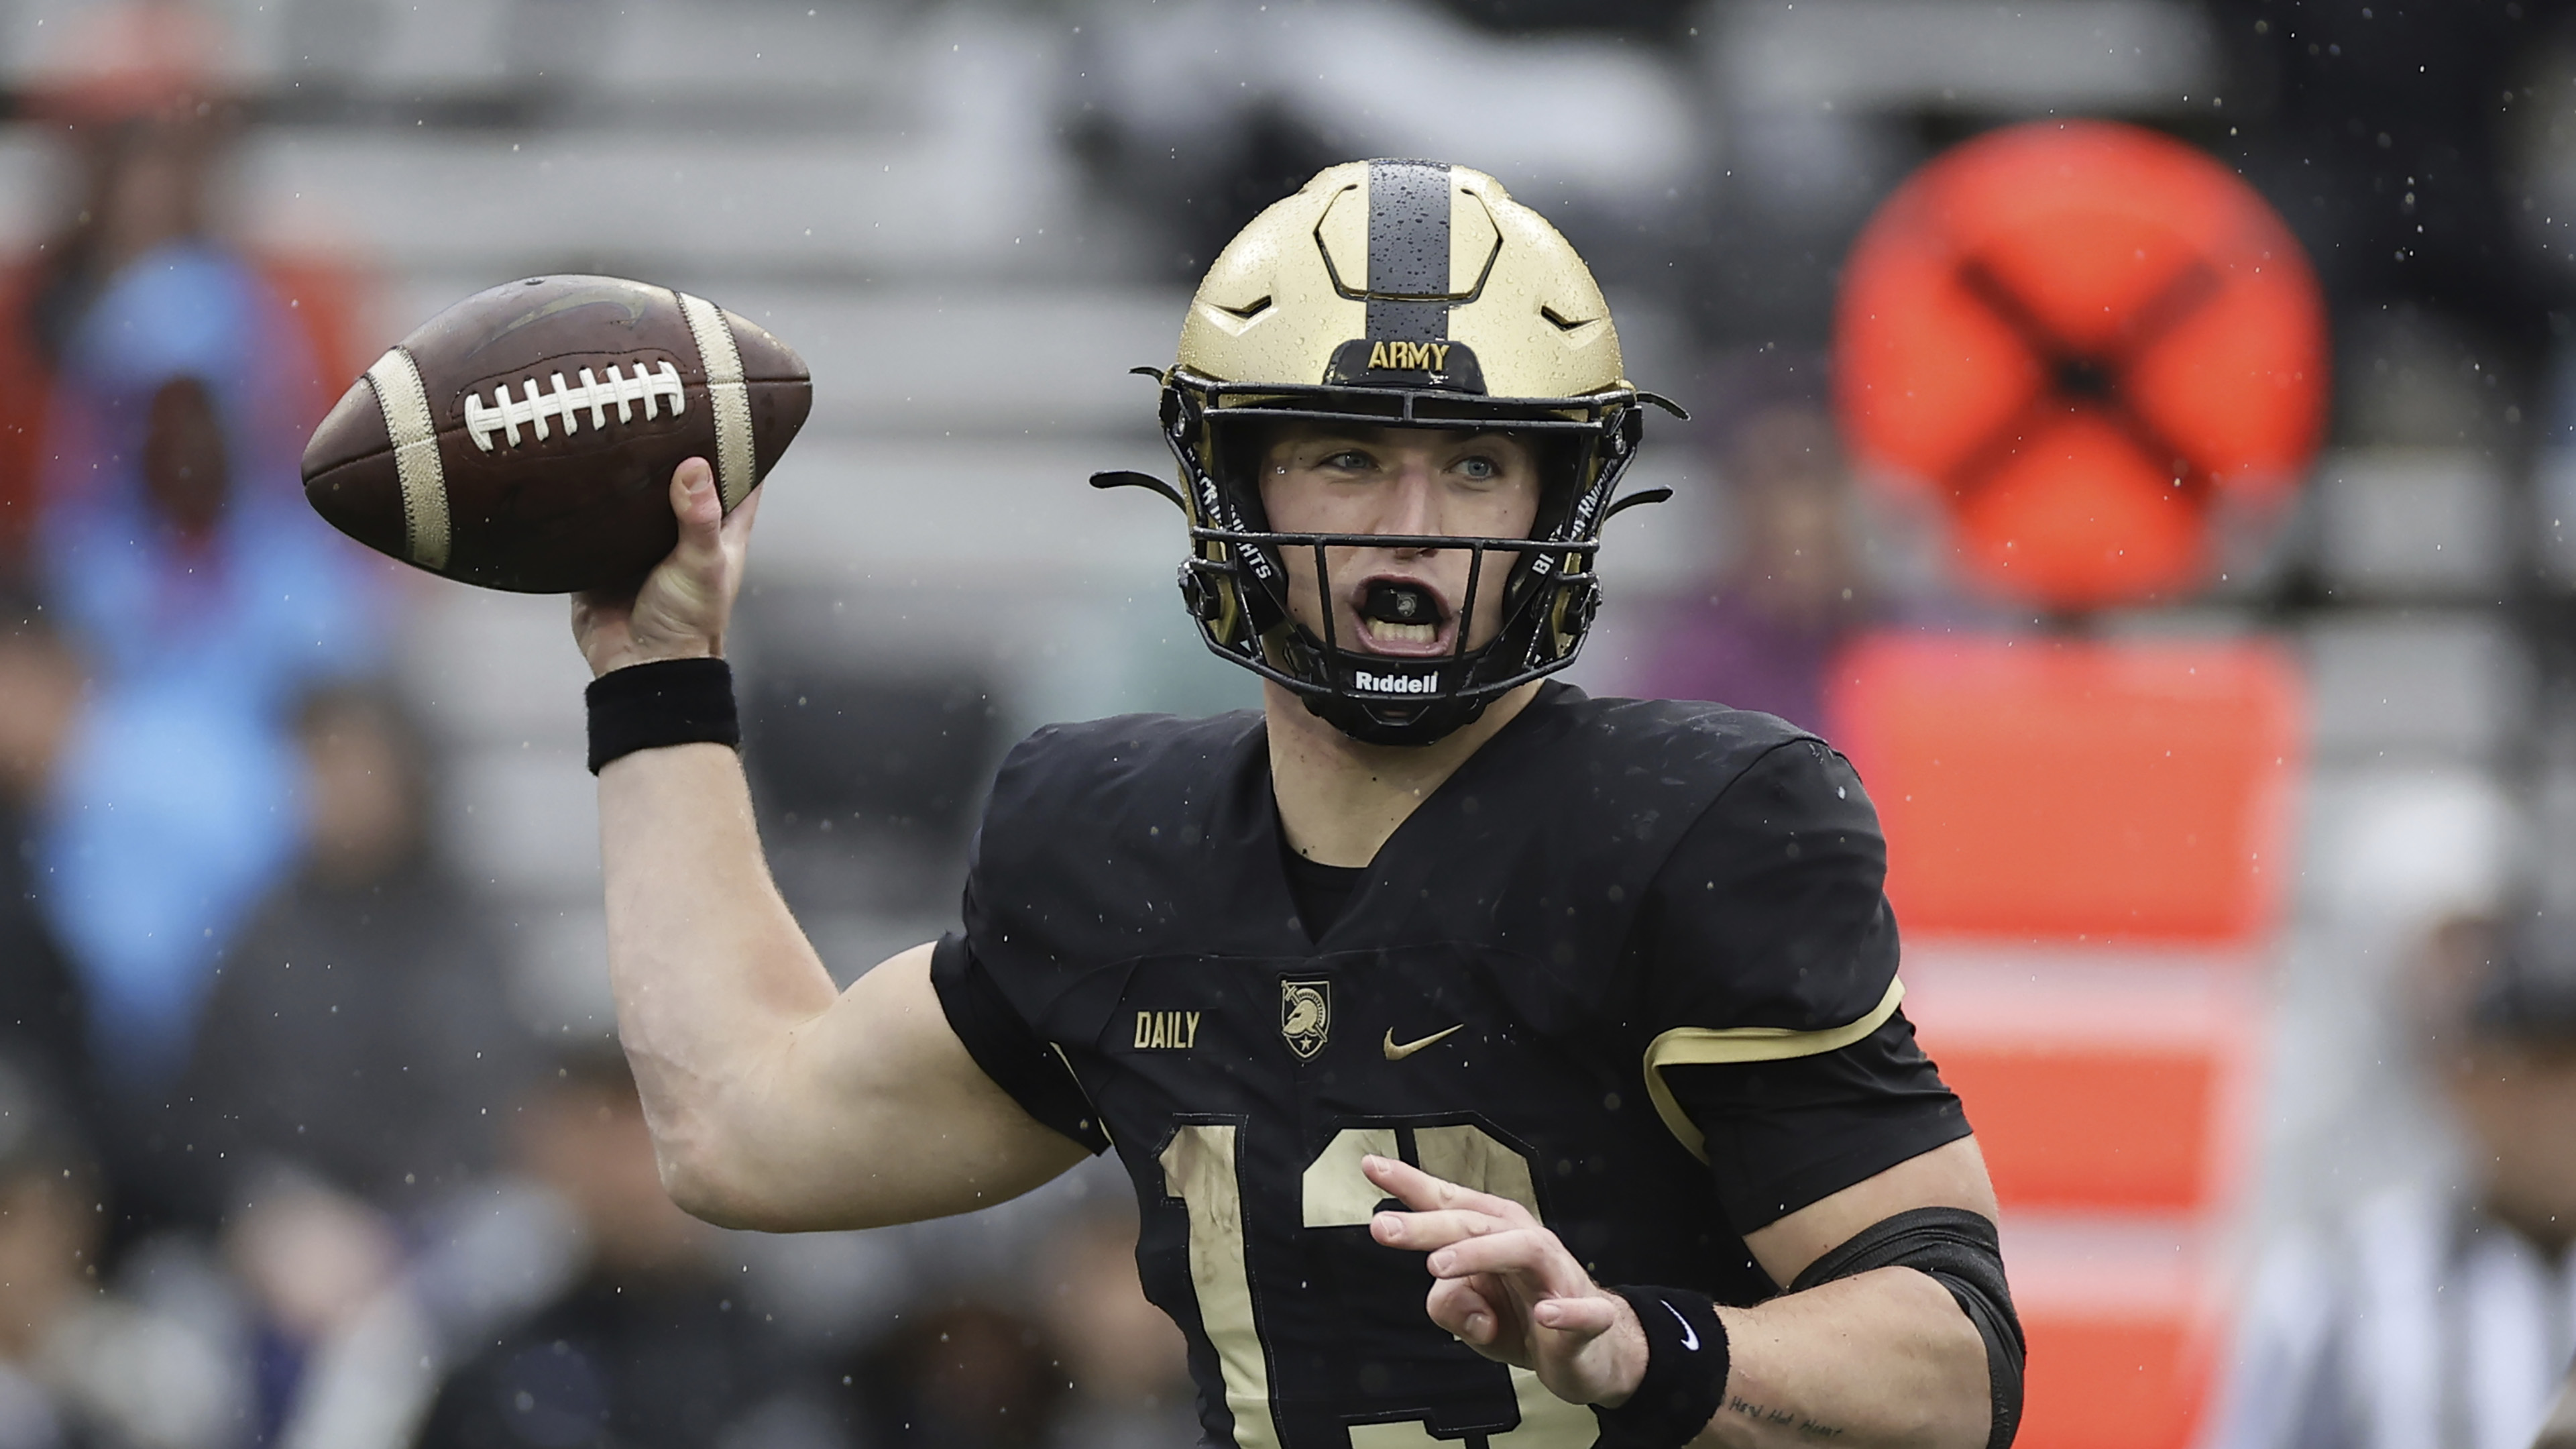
<point>1305,1016</point>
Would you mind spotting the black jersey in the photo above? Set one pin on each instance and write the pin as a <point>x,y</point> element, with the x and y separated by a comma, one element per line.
<point>1630,966</point>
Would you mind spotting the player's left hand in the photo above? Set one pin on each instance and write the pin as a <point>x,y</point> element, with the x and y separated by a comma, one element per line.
<point>1509,1289</point>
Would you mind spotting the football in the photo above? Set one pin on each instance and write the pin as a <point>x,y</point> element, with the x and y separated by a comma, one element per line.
<point>524,438</point>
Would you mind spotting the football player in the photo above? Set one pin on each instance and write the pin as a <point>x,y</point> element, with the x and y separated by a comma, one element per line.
<point>1496,1066</point>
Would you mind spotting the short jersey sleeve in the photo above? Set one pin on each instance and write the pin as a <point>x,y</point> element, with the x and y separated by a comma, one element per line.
<point>1782,1135</point>
<point>1022,1064</point>
<point>1770,955</point>
<point>1771,910</point>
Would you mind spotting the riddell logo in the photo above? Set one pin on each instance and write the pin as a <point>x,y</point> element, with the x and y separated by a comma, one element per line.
<point>1392,683</point>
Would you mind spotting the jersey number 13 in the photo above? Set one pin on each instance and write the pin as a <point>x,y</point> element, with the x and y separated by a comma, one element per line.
<point>1199,1168</point>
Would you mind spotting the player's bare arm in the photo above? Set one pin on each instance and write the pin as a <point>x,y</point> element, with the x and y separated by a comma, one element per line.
<point>540,437</point>
<point>776,1101</point>
<point>1883,1357</point>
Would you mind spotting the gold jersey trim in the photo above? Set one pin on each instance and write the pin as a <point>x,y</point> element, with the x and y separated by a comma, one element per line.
<point>1686,1046</point>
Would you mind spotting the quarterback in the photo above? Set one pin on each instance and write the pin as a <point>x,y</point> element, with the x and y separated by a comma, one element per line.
<point>1496,1066</point>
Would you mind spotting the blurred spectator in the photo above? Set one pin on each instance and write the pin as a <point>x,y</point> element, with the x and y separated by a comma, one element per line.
<point>125,102</point>
<point>81,1368</point>
<point>648,1347</point>
<point>40,699</point>
<point>132,94</point>
<point>358,1032</point>
<point>319,1268</point>
<point>1794,590</point>
<point>1067,1355</point>
<point>1125,1357</point>
<point>159,385</point>
<point>350,1078</point>
<point>967,1375</point>
<point>2433,1318</point>
<point>181,554</point>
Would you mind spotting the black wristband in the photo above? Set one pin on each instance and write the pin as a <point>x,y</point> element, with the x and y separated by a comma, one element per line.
<point>1685,1382</point>
<point>666,702</point>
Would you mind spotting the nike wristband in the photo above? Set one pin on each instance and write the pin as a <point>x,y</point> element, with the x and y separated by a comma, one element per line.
<point>665,702</point>
<point>1685,1381</point>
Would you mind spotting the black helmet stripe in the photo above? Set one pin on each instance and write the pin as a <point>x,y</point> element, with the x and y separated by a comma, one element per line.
<point>1408,251</point>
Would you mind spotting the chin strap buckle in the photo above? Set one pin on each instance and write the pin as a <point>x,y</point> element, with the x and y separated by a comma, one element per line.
<point>1198,597</point>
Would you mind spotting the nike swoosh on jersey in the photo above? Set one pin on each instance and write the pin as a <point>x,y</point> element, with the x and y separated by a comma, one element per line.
<point>1690,1335</point>
<point>1396,1053</point>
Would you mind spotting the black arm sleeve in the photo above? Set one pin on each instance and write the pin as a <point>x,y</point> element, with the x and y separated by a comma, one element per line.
<point>1771,912</point>
<point>1022,1065</point>
<point>1961,1251</point>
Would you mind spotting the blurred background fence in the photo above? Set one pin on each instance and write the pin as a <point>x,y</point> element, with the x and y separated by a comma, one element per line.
<point>973,218</point>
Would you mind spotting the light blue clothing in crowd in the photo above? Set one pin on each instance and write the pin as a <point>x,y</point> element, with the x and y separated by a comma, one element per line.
<point>176,810</point>
<point>188,309</point>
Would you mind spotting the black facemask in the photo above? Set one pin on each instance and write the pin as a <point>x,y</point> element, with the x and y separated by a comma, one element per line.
<point>1235,583</point>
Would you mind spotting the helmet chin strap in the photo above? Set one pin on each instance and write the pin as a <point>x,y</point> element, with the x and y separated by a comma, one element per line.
<point>1434,721</point>
<point>1358,704</point>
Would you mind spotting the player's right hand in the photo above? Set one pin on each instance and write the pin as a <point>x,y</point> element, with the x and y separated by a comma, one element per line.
<point>681,609</point>
<point>1509,1289</point>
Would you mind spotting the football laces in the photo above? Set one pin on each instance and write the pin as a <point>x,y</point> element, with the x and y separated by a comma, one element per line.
<point>564,402</point>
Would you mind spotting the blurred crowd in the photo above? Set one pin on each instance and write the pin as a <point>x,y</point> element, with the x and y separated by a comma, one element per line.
<point>281,1164</point>
<point>278,1164</point>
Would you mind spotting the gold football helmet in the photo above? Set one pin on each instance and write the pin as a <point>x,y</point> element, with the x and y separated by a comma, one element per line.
<point>1406,293</point>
